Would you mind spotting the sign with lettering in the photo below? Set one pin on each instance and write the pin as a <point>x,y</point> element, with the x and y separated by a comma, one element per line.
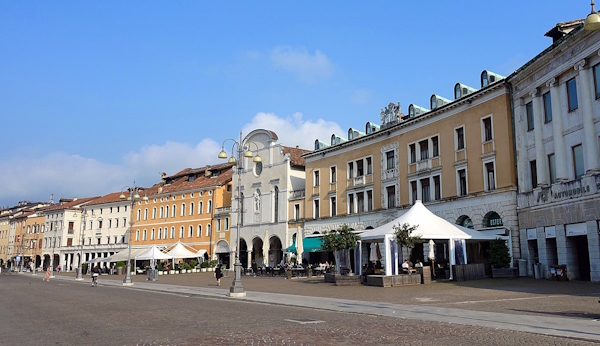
<point>576,229</point>
<point>531,234</point>
<point>550,232</point>
<point>495,220</point>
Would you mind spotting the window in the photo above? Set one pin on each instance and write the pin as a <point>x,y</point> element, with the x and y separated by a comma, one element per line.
<point>413,191</point>
<point>174,210</point>
<point>460,138</point>
<point>161,213</point>
<point>152,234</point>
<point>359,168</point>
<point>462,182</point>
<point>413,153</point>
<point>547,107</point>
<point>275,204</point>
<point>572,94</point>
<point>597,80</point>
<point>153,213</point>
<point>316,208</point>
<point>159,234</point>
<point>191,231</point>
<point>425,190</point>
<point>369,200</point>
<point>350,204</point>
<point>533,171</point>
<point>165,233</point>
<point>390,159</point>
<point>297,211</point>
<point>424,148</point>
<point>529,111</point>
<point>316,178</point>
<point>333,206</point>
<point>191,208</point>
<point>181,234</point>
<point>490,176</point>
<point>226,223</point>
<point>435,146</point>
<point>210,207</point>
<point>146,214</point>
<point>369,166</point>
<point>350,170</point>
<point>172,232</point>
<point>437,188</point>
<point>166,211</point>
<point>200,207</point>
<point>360,202</point>
<point>332,177</point>
<point>218,225</point>
<point>137,235</point>
<point>199,233</point>
<point>209,230</point>
<point>182,209</point>
<point>145,235</point>
<point>578,161</point>
<point>487,129</point>
<point>552,167</point>
<point>391,196</point>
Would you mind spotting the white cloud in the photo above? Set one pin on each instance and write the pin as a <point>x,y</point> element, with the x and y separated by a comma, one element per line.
<point>67,175</point>
<point>308,68</point>
<point>294,130</point>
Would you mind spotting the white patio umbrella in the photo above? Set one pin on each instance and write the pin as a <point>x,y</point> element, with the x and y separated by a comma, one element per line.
<point>266,249</point>
<point>373,253</point>
<point>299,246</point>
<point>431,250</point>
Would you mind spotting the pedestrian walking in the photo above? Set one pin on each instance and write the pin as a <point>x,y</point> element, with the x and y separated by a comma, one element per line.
<point>47,276</point>
<point>95,274</point>
<point>218,274</point>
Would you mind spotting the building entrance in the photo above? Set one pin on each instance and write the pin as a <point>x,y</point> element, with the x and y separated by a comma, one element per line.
<point>583,257</point>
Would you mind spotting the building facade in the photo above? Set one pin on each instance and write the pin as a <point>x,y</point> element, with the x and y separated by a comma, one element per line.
<point>192,207</point>
<point>557,114</point>
<point>455,156</point>
<point>269,198</point>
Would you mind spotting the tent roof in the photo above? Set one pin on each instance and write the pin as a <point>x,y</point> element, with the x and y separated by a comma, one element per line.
<point>122,255</point>
<point>431,226</point>
<point>180,251</point>
<point>153,253</point>
<point>312,244</point>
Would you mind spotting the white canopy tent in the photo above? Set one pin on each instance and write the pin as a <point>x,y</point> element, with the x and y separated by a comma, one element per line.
<point>153,253</point>
<point>179,250</point>
<point>430,227</point>
<point>123,254</point>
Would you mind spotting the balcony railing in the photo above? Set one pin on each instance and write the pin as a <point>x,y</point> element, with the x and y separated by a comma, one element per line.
<point>298,194</point>
<point>223,210</point>
<point>460,155</point>
<point>488,147</point>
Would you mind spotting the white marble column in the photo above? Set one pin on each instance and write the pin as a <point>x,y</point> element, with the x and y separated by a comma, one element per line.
<point>560,156</point>
<point>590,139</point>
<point>521,142</point>
<point>541,161</point>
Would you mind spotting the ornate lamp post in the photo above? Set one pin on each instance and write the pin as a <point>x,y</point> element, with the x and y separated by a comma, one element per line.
<point>84,215</point>
<point>133,196</point>
<point>237,289</point>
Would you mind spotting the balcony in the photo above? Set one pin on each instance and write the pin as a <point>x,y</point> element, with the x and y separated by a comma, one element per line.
<point>298,194</point>
<point>488,148</point>
<point>223,210</point>
<point>460,155</point>
<point>332,187</point>
<point>389,174</point>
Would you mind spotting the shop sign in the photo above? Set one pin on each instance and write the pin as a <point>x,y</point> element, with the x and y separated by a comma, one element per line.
<point>495,220</point>
<point>576,229</point>
<point>550,232</point>
<point>569,192</point>
<point>531,234</point>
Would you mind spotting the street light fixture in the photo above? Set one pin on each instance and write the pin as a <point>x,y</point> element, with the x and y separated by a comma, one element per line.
<point>134,195</point>
<point>237,289</point>
<point>592,22</point>
<point>84,215</point>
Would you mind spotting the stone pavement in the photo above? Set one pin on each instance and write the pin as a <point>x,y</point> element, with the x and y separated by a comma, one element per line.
<point>472,303</point>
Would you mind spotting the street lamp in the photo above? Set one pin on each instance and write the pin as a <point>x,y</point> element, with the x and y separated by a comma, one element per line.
<point>134,195</point>
<point>237,289</point>
<point>36,230</point>
<point>84,215</point>
<point>592,22</point>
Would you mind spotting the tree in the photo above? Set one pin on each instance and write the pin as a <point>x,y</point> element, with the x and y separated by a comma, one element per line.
<point>404,237</point>
<point>499,255</point>
<point>341,239</point>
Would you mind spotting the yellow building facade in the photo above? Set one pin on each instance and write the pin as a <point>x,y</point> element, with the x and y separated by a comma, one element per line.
<point>457,157</point>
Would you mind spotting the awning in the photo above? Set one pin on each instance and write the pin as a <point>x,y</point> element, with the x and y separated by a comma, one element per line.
<point>311,244</point>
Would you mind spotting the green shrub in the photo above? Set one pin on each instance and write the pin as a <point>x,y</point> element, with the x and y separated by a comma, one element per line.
<point>120,264</point>
<point>193,263</point>
<point>499,255</point>
<point>204,264</point>
<point>183,266</point>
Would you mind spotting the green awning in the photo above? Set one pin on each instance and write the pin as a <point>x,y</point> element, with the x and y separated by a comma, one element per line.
<point>312,244</point>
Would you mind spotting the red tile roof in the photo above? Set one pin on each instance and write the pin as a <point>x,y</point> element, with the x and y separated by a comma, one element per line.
<point>71,204</point>
<point>296,158</point>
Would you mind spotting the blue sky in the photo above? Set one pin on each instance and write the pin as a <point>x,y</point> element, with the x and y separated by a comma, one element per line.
<point>97,94</point>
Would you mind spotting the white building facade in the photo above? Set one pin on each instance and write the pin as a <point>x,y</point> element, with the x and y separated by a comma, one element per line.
<point>557,123</point>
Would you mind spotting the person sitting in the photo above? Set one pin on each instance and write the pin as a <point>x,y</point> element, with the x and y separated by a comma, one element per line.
<point>419,264</point>
<point>405,267</point>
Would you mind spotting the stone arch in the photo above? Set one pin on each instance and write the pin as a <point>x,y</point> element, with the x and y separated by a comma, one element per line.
<point>464,221</point>
<point>492,217</point>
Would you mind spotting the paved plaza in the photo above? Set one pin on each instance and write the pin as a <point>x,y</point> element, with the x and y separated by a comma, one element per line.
<point>309,311</point>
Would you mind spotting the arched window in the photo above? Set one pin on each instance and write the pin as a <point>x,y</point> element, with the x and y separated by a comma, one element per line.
<point>165,233</point>
<point>199,231</point>
<point>208,230</point>
<point>166,211</point>
<point>145,235</point>
<point>162,212</point>
<point>174,211</point>
<point>182,209</point>
<point>152,234</point>
<point>191,232</point>
<point>172,232</point>
<point>192,208</point>
<point>181,230</point>
<point>139,214</point>
<point>200,207</point>
<point>146,214</point>
<point>209,207</point>
<point>153,213</point>
<point>159,234</point>
<point>276,204</point>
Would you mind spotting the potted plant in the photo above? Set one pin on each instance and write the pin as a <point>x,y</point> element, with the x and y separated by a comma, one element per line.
<point>339,240</point>
<point>499,259</point>
<point>193,264</point>
<point>203,266</point>
<point>120,267</point>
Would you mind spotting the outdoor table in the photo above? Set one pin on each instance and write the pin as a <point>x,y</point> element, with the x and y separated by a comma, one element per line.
<point>298,271</point>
